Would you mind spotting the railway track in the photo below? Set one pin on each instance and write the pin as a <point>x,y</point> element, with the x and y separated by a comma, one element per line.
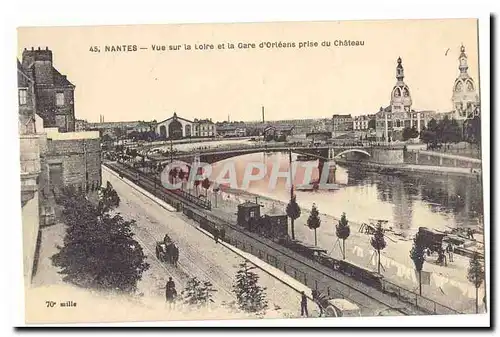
<point>148,184</point>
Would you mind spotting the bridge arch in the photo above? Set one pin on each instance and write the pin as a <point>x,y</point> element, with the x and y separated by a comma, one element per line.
<point>352,150</point>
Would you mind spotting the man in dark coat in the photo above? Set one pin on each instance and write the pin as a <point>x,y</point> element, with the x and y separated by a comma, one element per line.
<point>303,305</point>
<point>170,291</point>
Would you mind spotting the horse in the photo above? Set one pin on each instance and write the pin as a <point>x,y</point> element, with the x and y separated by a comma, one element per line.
<point>172,254</point>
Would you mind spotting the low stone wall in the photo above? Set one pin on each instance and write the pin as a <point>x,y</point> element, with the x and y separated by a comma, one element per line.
<point>387,156</point>
<point>79,161</point>
<point>437,159</point>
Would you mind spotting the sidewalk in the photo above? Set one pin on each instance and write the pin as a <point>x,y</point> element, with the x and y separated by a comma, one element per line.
<point>47,273</point>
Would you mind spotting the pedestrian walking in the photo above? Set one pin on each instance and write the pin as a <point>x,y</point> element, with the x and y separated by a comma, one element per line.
<point>216,236</point>
<point>470,234</point>
<point>442,257</point>
<point>317,300</point>
<point>449,249</point>
<point>303,305</point>
<point>170,292</point>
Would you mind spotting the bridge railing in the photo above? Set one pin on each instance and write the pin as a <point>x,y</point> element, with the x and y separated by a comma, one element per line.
<point>285,146</point>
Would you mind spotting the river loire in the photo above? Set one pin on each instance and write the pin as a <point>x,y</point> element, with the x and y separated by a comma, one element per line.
<point>407,202</point>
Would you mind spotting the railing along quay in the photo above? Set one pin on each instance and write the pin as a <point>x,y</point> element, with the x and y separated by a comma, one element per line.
<point>425,305</point>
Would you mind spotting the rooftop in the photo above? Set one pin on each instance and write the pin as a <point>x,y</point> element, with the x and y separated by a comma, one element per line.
<point>249,204</point>
<point>54,134</point>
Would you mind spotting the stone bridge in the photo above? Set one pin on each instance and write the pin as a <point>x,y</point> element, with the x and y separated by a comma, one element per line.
<point>322,152</point>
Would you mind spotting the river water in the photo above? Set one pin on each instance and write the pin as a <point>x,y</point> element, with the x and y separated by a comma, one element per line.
<point>437,202</point>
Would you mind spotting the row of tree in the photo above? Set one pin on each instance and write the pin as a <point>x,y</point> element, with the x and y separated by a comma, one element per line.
<point>475,273</point>
<point>250,296</point>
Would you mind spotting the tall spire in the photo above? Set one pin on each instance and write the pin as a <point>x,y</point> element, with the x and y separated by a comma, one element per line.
<point>400,73</point>
<point>463,60</point>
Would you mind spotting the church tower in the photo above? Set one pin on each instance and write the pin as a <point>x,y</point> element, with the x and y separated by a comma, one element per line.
<point>400,96</point>
<point>465,100</point>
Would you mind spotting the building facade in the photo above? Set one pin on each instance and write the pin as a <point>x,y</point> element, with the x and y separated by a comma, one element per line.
<point>361,123</point>
<point>50,158</point>
<point>227,129</point>
<point>204,128</point>
<point>54,93</point>
<point>81,125</point>
<point>342,123</point>
<point>465,100</point>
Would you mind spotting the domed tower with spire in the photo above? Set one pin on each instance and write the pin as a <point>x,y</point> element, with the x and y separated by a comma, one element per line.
<point>400,95</point>
<point>465,99</point>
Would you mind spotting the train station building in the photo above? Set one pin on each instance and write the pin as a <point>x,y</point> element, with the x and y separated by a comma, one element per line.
<point>177,127</point>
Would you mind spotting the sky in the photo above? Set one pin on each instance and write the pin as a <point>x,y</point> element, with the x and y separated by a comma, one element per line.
<point>292,83</point>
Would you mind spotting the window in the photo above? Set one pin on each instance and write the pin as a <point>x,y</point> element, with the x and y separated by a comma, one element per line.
<point>23,96</point>
<point>252,214</point>
<point>59,98</point>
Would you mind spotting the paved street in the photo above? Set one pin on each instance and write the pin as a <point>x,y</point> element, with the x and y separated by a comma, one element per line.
<point>199,255</point>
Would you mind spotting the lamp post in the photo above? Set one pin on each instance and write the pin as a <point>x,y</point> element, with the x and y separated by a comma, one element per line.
<point>291,175</point>
<point>171,150</point>
<point>216,190</point>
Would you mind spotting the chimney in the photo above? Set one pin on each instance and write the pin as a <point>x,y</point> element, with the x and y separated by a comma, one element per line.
<point>263,119</point>
<point>47,48</point>
<point>38,48</point>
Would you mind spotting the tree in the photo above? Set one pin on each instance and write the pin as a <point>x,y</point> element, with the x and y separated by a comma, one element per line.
<point>473,131</point>
<point>417,254</point>
<point>196,184</point>
<point>475,274</point>
<point>406,134</point>
<point>249,295</point>
<point>99,250</point>
<point>182,176</point>
<point>409,133</point>
<point>198,293</point>
<point>343,231</point>
<point>205,184</point>
<point>293,212</point>
<point>173,175</point>
<point>378,241</point>
<point>106,138</point>
<point>108,198</point>
<point>313,222</point>
<point>448,131</point>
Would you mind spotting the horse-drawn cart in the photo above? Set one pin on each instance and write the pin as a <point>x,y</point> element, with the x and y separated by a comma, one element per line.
<point>372,225</point>
<point>167,251</point>
<point>432,238</point>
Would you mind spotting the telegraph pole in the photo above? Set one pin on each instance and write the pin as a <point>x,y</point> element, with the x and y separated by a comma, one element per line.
<point>291,175</point>
<point>171,151</point>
